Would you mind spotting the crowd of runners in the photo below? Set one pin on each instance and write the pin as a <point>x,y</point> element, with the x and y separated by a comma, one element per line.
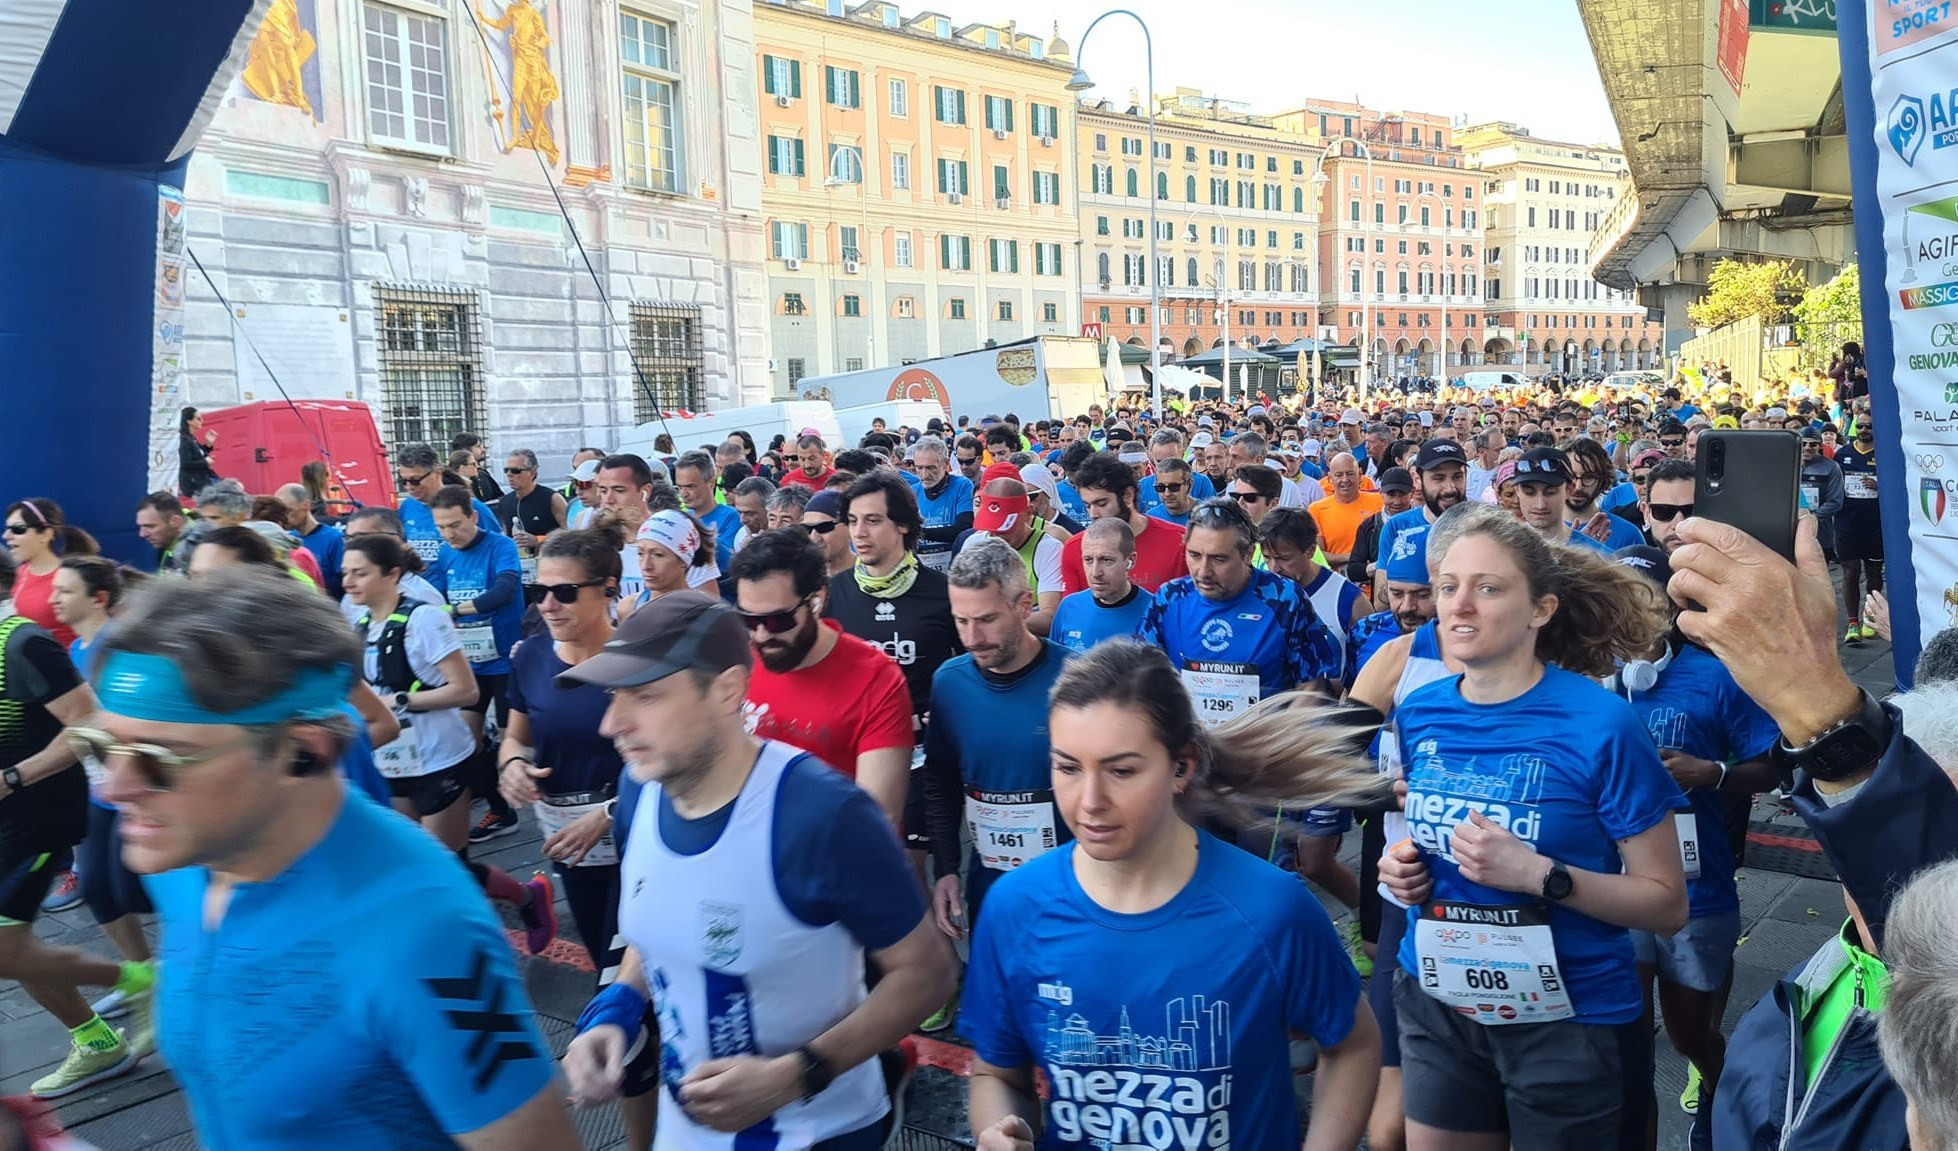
<point>1039,734</point>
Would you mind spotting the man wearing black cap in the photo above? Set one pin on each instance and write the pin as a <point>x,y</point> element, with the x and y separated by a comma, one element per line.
<point>1443,469</point>
<point>1542,477</point>
<point>756,882</point>
<point>1396,496</point>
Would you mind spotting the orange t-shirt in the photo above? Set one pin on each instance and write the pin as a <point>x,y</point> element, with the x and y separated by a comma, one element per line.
<point>1339,523</point>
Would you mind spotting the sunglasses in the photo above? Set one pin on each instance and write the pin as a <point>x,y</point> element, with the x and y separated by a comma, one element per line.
<point>1548,468</point>
<point>1172,489</point>
<point>515,471</point>
<point>774,622</point>
<point>412,481</point>
<point>1666,513</point>
<point>568,592</point>
<point>822,529</point>
<point>156,765</point>
<point>1246,497</point>
<point>18,529</point>
<point>1672,443</point>
<point>791,459</point>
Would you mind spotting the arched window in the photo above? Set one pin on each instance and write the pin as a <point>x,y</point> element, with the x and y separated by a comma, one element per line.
<point>1133,185</point>
<point>1101,268</point>
<point>1353,276</point>
<point>1162,185</point>
<point>1190,189</point>
<point>1298,200</point>
<point>1193,270</point>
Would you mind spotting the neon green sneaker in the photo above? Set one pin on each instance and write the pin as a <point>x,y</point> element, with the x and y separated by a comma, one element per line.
<point>942,1018</point>
<point>1349,934</point>
<point>1689,1099</point>
<point>1854,634</point>
<point>1866,631</point>
<point>85,1067</point>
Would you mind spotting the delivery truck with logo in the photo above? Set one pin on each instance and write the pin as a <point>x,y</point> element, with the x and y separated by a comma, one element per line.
<point>1041,377</point>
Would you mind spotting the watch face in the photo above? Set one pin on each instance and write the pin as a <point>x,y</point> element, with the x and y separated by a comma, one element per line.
<point>1557,885</point>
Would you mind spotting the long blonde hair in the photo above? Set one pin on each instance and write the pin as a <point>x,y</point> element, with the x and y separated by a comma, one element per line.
<point>1282,751</point>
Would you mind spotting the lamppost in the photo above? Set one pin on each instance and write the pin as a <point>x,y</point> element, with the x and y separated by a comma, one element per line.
<point>1080,83</point>
<point>1366,298</point>
<point>1223,289</point>
<point>839,172</point>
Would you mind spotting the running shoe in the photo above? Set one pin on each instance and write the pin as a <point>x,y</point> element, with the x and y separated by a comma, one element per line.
<point>141,1032</point>
<point>65,895</point>
<point>540,914</point>
<point>84,1067</point>
<point>114,1005</point>
<point>1356,948</point>
<point>1689,1099</point>
<point>1854,634</point>
<point>1866,631</point>
<point>492,826</point>
<point>942,1018</point>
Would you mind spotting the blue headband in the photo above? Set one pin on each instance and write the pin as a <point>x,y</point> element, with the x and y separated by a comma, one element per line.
<point>151,687</point>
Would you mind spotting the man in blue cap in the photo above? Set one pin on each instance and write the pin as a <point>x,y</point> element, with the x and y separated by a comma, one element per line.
<point>336,980</point>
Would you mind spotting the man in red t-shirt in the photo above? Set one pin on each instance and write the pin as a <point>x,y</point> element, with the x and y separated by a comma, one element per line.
<point>1108,488</point>
<point>813,457</point>
<point>833,695</point>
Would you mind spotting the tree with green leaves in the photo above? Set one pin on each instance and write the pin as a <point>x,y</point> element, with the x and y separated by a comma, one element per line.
<point>1829,315</point>
<point>1737,290</point>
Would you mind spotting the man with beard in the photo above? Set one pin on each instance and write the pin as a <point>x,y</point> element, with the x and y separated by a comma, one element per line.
<point>1108,488</point>
<point>1592,474</point>
<point>1443,470</point>
<point>1668,502</point>
<point>986,754</point>
<point>944,502</point>
<point>830,694</point>
<point>1173,483</point>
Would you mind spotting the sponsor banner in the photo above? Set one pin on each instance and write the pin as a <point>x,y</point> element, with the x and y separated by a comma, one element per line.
<point>167,339</point>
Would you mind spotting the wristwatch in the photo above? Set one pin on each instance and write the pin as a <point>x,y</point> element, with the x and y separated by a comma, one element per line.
<point>1840,752</point>
<point>1557,883</point>
<point>11,777</point>
<point>816,1072</point>
<point>401,700</point>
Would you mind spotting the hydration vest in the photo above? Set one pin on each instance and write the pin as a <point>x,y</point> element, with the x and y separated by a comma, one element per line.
<point>391,650</point>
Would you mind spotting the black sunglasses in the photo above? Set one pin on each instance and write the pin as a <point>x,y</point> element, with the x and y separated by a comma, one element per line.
<point>18,529</point>
<point>1672,443</point>
<point>515,471</point>
<point>412,481</point>
<point>1245,497</point>
<point>774,622</point>
<point>822,529</point>
<point>567,592</point>
<point>1666,513</point>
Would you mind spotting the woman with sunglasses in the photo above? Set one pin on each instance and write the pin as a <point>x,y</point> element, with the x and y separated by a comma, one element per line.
<point>1540,836</point>
<point>1153,973</point>
<point>39,537</point>
<point>552,756</point>
<point>87,591</point>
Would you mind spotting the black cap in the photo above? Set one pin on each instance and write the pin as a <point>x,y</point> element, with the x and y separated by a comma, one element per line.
<point>1810,435</point>
<point>681,631</point>
<point>1435,453</point>
<point>1648,561</point>
<point>1396,480</point>
<point>1543,466</point>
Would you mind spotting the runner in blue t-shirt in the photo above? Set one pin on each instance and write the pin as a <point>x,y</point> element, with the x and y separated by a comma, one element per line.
<point>1441,467</point>
<point>1540,824</point>
<point>944,502</point>
<point>1715,741</point>
<point>1112,606</point>
<point>1153,974</point>
<point>1237,634</point>
<point>418,472</point>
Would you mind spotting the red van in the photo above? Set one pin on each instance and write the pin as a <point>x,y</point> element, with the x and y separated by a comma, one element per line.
<point>263,445</point>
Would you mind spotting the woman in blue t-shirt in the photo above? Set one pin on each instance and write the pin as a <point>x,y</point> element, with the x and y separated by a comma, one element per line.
<point>1154,973</point>
<point>552,756</point>
<point>1541,833</point>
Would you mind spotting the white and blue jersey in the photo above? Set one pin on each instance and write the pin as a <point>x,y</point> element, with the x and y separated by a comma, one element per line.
<point>473,573</point>
<point>1082,621</point>
<point>365,998</point>
<point>1231,654</point>
<point>941,511</point>
<point>1697,708</point>
<point>1586,777</point>
<point>1404,537</point>
<point>1201,489</point>
<point>1188,1049</point>
<point>1333,597</point>
<point>1071,501</point>
<point>418,526</point>
<point>1368,636</point>
<point>752,923</point>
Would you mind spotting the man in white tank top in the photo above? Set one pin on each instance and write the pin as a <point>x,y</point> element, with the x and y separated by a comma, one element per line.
<point>755,880</point>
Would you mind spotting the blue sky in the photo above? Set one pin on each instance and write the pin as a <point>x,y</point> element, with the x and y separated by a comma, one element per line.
<point>1526,61</point>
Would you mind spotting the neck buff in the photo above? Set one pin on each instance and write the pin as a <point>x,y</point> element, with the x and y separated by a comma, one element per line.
<point>889,586</point>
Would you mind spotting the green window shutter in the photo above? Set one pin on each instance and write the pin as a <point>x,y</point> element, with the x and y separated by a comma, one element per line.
<point>960,93</point>
<point>768,75</point>
<point>856,93</point>
<point>799,169</point>
<point>795,78</point>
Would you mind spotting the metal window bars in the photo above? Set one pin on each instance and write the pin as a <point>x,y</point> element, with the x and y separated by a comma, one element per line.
<point>429,342</point>
<point>671,362</point>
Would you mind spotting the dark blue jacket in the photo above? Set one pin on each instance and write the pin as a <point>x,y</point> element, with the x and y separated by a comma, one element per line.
<point>1904,818</point>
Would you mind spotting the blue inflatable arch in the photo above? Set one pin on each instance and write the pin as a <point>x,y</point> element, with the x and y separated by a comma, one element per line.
<point>101,102</point>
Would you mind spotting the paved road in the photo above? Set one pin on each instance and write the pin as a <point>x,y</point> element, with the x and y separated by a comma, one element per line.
<point>1786,916</point>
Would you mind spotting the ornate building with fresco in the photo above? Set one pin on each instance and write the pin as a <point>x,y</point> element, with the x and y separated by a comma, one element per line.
<point>407,202</point>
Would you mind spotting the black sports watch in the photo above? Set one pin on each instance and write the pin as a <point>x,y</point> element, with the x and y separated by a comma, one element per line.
<point>816,1072</point>
<point>11,777</point>
<point>1843,750</point>
<point>1557,883</point>
<point>401,700</point>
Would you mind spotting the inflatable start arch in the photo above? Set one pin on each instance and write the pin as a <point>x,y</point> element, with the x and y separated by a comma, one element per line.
<point>101,102</point>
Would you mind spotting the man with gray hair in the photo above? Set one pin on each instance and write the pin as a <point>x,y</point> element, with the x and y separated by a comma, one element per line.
<point>1920,1011</point>
<point>1166,448</point>
<point>986,752</point>
<point>750,499</point>
<point>418,473</point>
<point>530,511</point>
<point>1484,449</point>
<point>694,478</point>
<point>944,501</point>
<point>1252,448</point>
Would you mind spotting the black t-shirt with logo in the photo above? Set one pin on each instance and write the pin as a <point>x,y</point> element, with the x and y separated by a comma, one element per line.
<point>915,629</point>
<point>51,814</point>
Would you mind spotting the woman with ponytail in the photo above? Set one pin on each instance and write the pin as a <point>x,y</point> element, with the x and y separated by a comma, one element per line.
<point>40,537</point>
<point>1153,972</point>
<point>1541,835</point>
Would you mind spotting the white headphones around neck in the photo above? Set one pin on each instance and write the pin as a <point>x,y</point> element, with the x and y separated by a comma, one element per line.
<point>1641,674</point>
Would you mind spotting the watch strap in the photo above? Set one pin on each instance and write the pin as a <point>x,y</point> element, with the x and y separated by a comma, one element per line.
<point>11,777</point>
<point>1852,745</point>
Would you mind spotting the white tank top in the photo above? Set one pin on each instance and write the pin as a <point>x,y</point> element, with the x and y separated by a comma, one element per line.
<point>733,972</point>
<point>1422,668</point>
<point>1331,603</point>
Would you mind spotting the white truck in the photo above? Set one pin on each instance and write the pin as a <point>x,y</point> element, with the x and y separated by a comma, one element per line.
<point>710,429</point>
<point>1037,378</point>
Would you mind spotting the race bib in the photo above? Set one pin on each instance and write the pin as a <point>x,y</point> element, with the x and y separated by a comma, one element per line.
<point>478,642</point>
<point>936,561</point>
<point>1010,827</point>
<point>1221,695</point>
<point>1811,496</point>
<point>1493,964</point>
<point>1687,826</point>
<point>557,812</point>
<point>401,757</point>
<point>1859,486</point>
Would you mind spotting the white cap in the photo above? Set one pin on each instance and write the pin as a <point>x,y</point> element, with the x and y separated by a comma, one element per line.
<point>1037,476</point>
<point>1202,440</point>
<point>672,531</point>
<point>1351,416</point>
<point>586,472</point>
<point>1254,410</point>
<point>1312,449</point>
<point>1427,419</point>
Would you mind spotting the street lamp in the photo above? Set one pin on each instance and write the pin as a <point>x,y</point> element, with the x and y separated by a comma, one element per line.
<point>1080,83</point>
<point>839,171</point>
<point>1223,291</point>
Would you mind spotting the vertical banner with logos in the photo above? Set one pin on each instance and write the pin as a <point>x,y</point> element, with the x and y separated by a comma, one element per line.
<point>1899,58</point>
<point>167,340</point>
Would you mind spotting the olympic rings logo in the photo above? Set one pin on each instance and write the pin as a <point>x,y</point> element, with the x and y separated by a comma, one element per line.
<point>1927,462</point>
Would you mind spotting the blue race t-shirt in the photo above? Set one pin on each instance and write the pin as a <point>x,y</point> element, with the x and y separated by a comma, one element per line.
<point>418,526</point>
<point>1186,1048</point>
<point>329,547</point>
<point>1071,501</point>
<point>726,522</point>
<point>1368,636</point>
<point>367,997</point>
<point>564,721</point>
<point>1619,496</point>
<point>1163,513</point>
<point>1201,489</point>
<point>1269,630</point>
<point>357,761</point>
<point>1567,768</point>
<point>954,499</point>
<point>1623,535</point>
<point>466,574</point>
<point>1405,536</point>
<point>1082,621</point>
<point>1697,708</point>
